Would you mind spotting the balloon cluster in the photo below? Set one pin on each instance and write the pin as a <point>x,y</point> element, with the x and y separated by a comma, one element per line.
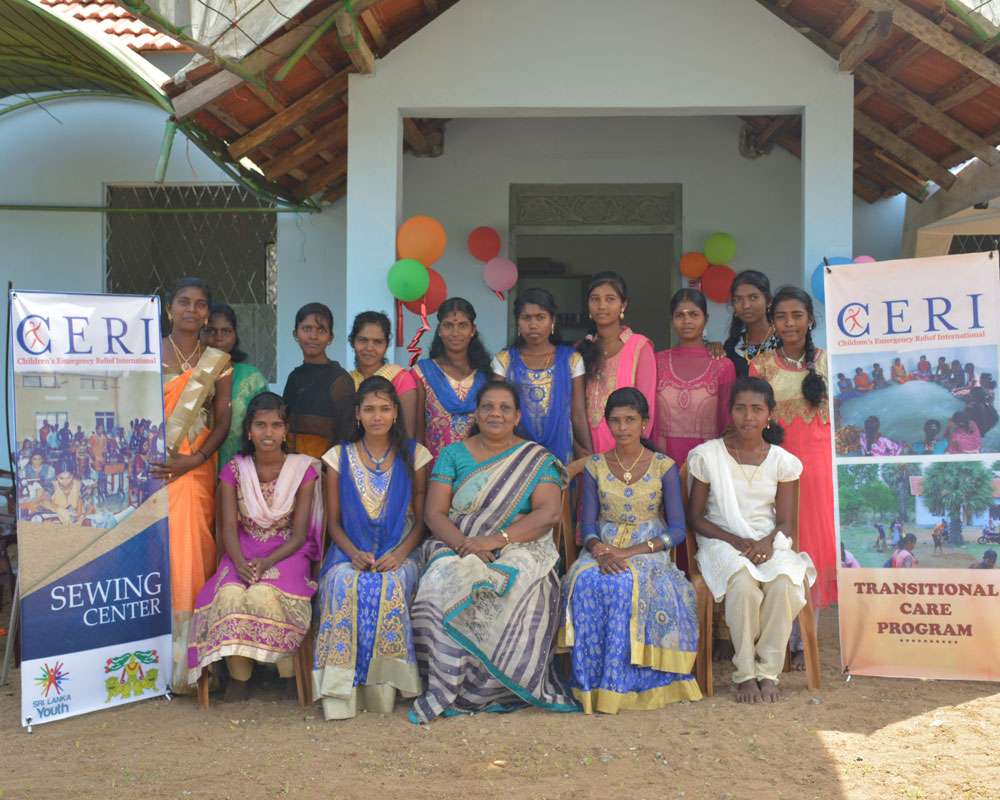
<point>710,266</point>
<point>499,273</point>
<point>816,284</point>
<point>420,242</point>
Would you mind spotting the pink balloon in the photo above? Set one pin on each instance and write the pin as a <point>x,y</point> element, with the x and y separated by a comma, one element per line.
<point>500,274</point>
<point>864,260</point>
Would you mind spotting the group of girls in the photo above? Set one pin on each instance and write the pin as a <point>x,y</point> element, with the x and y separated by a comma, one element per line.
<point>437,576</point>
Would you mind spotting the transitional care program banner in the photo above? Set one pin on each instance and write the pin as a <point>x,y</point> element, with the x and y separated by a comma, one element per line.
<point>913,367</point>
<point>92,524</point>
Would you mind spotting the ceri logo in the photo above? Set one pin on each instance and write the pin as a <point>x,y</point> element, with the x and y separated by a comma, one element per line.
<point>33,333</point>
<point>906,316</point>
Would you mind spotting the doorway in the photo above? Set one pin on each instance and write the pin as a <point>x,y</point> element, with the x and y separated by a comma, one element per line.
<point>563,234</point>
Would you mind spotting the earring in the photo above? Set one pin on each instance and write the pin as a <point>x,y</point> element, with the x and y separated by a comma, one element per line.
<point>621,314</point>
<point>553,331</point>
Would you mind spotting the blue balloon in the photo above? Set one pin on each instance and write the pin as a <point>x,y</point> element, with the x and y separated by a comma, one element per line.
<point>816,284</point>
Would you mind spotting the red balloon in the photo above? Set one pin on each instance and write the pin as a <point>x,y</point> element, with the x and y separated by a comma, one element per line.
<point>716,283</point>
<point>484,243</point>
<point>436,294</point>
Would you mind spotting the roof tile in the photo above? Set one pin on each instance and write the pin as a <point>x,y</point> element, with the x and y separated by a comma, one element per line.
<point>113,20</point>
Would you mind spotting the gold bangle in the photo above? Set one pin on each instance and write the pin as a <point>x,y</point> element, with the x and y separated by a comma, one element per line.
<point>506,536</point>
<point>650,545</point>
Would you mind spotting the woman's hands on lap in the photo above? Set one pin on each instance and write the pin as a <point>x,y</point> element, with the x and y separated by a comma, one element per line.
<point>362,561</point>
<point>389,562</point>
<point>482,546</point>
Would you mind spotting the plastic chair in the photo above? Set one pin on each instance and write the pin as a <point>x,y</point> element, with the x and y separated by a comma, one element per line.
<point>705,604</point>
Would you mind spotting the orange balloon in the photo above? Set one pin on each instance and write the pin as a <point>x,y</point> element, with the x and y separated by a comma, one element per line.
<point>693,265</point>
<point>422,238</point>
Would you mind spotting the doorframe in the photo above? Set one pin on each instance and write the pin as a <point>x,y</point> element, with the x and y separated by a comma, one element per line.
<point>595,209</point>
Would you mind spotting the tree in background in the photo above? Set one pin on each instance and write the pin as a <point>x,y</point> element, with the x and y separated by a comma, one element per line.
<point>897,477</point>
<point>960,488</point>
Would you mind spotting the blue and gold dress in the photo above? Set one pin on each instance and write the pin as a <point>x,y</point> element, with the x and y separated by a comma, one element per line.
<point>633,636</point>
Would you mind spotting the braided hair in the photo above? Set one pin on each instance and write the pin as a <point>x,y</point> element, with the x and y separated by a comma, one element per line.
<point>748,277</point>
<point>813,384</point>
<point>588,347</point>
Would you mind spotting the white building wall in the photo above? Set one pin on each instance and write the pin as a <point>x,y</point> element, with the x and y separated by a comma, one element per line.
<point>878,228</point>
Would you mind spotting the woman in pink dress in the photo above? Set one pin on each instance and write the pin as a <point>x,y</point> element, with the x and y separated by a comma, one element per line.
<point>692,387</point>
<point>797,371</point>
<point>613,356</point>
<point>369,339</point>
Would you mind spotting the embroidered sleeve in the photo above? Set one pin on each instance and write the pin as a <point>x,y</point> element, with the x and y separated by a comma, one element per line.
<point>445,468</point>
<point>501,363</point>
<point>576,366</point>
<point>550,473</point>
<point>332,458</point>
<point>421,457</point>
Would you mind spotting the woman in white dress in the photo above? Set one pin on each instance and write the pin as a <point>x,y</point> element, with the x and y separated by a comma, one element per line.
<point>741,508</point>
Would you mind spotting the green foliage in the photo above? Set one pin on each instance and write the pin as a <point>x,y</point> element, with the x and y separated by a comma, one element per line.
<point>958,487</point>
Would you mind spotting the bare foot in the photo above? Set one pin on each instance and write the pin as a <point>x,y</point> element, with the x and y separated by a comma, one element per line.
<point>798,661</point>
<point>748,692</point>
<point>236,691</point>
<point>722,650</point>
<point>769,691</point>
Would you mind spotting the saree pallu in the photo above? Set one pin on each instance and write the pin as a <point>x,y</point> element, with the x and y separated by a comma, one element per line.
<point>364,644</point>
<point>484,633</point>
<point>265,621</point>
<point>191,497</point>
<point>248,382</point>
<point>633,637</point>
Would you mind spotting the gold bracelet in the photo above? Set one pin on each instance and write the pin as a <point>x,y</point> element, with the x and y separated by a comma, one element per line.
<point>650,545</point>
<point>506,536</point>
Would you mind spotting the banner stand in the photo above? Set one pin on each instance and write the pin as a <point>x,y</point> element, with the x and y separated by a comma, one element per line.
<point>12,633</point>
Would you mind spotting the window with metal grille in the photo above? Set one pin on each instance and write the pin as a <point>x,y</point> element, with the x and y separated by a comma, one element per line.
<point>973,244</point>
<point>179,231</point>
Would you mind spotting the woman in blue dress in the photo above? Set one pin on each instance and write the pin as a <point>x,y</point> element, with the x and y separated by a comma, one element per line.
<point>629,615</point>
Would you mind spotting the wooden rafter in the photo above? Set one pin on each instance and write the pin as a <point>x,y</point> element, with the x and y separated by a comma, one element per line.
<point>326,175</point>
<point>909,155</point>
<point>850,19</point>
<point>331,137</point>
<point>415,138</point>
<point>891,172</point>
<point>777,126</point>
<point>868,38</point>
<point>374,29</point>
<point>276,100</point>
<point>934,36</point>
<point>354,43</point>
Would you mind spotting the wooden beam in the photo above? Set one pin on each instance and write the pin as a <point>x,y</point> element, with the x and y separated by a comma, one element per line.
<point>324,176</point>
<point>330,137</point>
<point>931,34</point>
<point>907,154</point>
<point>415,137</point>
<point>892,173</point>
<point>354,44</point>
<point>258,62</point>
<point>848,22</point>
<point>333,194</point>
<point>866,189</point>
<point>374,29</point>
<point>774,127</point>
<point>433,7</point>
<point>295,113</point>
<point>926,112</point>
<point>867,40</point>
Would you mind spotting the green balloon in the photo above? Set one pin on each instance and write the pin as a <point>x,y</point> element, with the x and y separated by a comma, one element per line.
<point>720,248</point>
<point>408,280</point>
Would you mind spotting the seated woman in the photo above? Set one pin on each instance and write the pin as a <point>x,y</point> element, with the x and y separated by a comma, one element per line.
<point>923,370</point>
<point>626,584</point>
<point>898,371</point>
<point>963,434</point>
<point>878,377</point>
<point>488,602</point>
<point>942,373</point>
<point>933,443</point>
<point>256,607</point>
<point>862,382</point>
<point>375,488</point>
<point>66,501</point>
<point>956,380</point>
<point>845,388</point>
<point>741,507</point>
<point>875,443</point>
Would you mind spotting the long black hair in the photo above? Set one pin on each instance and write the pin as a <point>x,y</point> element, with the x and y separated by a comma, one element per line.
<point>265,401</point>
<point>813,384</point>
<point>479,358</point>
<point>630,397</point>
<point>544,300</point>
<point>236,355</point>
<point>182,284</point>
<point>773,433</point>
<point>371,318</point>
<point>492,385</point>
<point>588,347</point>
<point>748,277</point>
<point>376,384</point>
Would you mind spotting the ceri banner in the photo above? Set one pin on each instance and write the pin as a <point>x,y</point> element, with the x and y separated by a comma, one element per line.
<point>92,527</point>
<point>913,349</point>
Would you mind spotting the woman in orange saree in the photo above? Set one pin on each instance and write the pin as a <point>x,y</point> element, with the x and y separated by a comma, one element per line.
<point>196,408</point>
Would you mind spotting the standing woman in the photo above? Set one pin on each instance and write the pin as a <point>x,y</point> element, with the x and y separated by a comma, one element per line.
<point>197,385</point>
<point>692,387</point>
<point>248,381</point>
<point>613,356</point>
<point>375,487</point>
<point>369,338</point>
<point>797,371</point>
<point>750,330</point>
<point>549,378</point>
<point>448,381</point>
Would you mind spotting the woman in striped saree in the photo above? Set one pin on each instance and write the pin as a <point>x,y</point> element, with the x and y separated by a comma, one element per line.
<point>487,605</point>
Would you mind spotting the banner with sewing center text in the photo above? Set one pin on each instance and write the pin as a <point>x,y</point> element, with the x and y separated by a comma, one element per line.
<point>913,363</point>
<point>91,521</point>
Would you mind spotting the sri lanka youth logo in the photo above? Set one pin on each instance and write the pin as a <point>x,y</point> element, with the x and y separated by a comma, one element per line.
<point>53,700</point>
<point>52,679</point>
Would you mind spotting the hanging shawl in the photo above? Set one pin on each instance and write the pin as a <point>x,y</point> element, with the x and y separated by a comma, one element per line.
<point>386,531</point>
<point>550,427</point>
<point>444,391</point>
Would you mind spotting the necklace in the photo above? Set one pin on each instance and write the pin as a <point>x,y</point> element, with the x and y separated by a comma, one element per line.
<point>798,362</point>
<point>739,457</point>
<point>627,473</point>
<point>549,360</point>
<point>183,361</point>
<point>378,462</point>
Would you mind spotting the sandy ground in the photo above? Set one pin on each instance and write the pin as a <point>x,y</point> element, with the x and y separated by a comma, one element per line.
<point>867,738</point>
<point>860,540</point>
